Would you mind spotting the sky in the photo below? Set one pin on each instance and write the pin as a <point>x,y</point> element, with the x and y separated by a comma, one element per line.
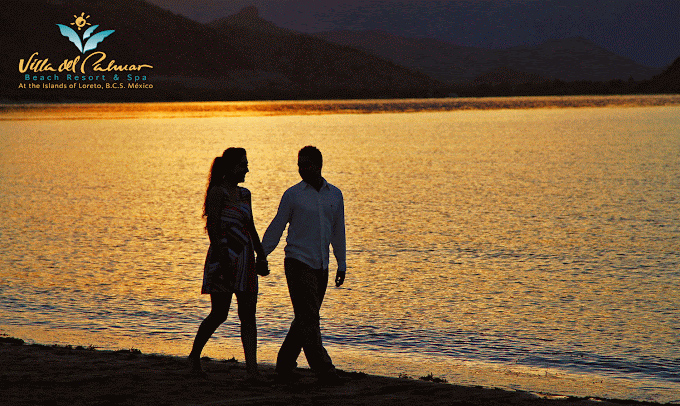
<point>646,31</point>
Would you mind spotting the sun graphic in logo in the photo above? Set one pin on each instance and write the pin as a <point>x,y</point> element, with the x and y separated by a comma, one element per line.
<point>81,21</point>
<point>89,40</point>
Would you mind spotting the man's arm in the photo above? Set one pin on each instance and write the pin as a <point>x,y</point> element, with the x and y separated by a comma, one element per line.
<point>339,243</point>
<point>271,237</point>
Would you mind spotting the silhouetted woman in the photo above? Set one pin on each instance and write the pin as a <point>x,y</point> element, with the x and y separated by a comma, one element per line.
<point>230,266</point>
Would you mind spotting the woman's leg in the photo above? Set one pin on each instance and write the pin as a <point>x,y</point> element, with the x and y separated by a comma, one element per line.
<point>218,314</point>
<point>247,305</point>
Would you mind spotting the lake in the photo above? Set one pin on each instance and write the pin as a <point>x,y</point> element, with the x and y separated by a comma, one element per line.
<point>519,243</point>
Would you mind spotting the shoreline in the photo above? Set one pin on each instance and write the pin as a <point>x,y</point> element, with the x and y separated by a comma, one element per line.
<point>198,109</point>
<point>65,375</point>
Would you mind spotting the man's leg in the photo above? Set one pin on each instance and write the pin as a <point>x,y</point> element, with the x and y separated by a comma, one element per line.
<point>290,350</point>
<point>307,288</point>
<point>322,284</point>
<point>292,345</point>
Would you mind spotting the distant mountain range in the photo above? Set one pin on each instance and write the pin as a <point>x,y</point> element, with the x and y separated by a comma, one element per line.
<point>312,65</point>
<point>243,57</point>
<point>575,59</point>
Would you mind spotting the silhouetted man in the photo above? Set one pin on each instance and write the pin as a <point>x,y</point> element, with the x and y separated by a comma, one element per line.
<point>315,214</point>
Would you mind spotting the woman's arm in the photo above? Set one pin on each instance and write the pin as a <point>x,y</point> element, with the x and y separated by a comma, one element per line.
<point>213,211</point>
<point>261,265</point>
<point>257,244</point>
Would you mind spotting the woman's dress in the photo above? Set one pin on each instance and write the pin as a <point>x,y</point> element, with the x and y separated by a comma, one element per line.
<point>234,235</point>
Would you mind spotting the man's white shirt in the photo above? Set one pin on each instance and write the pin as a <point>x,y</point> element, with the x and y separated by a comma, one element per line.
<point>315,221</point>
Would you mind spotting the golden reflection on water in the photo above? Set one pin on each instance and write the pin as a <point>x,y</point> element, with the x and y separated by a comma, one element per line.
<point>497,238</point>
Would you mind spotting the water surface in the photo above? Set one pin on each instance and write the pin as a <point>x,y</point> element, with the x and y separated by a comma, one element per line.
<point>535,249</point>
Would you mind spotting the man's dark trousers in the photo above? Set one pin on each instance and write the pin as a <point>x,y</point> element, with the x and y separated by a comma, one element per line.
<point>307,288</point>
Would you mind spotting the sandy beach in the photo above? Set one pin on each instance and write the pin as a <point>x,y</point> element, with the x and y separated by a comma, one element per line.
<point>64,375</point>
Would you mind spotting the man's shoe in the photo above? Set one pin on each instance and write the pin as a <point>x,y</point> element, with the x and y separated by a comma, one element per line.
<point>289,376</point>
<point>330,378</point>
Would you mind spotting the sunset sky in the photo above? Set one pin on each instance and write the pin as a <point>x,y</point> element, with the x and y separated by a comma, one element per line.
<point>646,31</point>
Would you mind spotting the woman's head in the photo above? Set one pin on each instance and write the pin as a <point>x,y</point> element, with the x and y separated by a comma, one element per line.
<point>236,165</point>
<point>231,167</point>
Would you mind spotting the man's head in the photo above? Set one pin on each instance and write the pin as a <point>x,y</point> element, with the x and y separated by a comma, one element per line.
<point>310,162</point>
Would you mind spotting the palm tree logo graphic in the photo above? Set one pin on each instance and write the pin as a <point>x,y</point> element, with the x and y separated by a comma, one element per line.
<point>89,41</point>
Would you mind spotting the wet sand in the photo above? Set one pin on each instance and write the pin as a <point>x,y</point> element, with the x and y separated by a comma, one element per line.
<point>58,375</point>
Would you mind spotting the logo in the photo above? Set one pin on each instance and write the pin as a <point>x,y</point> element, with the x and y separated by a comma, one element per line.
<point>87,70</point>
<point>92,40</point>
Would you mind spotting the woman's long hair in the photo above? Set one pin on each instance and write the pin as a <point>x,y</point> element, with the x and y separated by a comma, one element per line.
<point>221,167</point>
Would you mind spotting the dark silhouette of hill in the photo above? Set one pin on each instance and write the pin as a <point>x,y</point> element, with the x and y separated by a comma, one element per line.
<point>575,59</point>
<point>666,82</point>
<point>446,62</point>
<point>249,18</point>
<point>240,57</point>
<point>505,75</point>
<point>502,83</point>
<point>285,59</point>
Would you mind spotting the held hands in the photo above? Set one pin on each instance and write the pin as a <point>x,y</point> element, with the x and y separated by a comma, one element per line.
<point>262,266</point>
